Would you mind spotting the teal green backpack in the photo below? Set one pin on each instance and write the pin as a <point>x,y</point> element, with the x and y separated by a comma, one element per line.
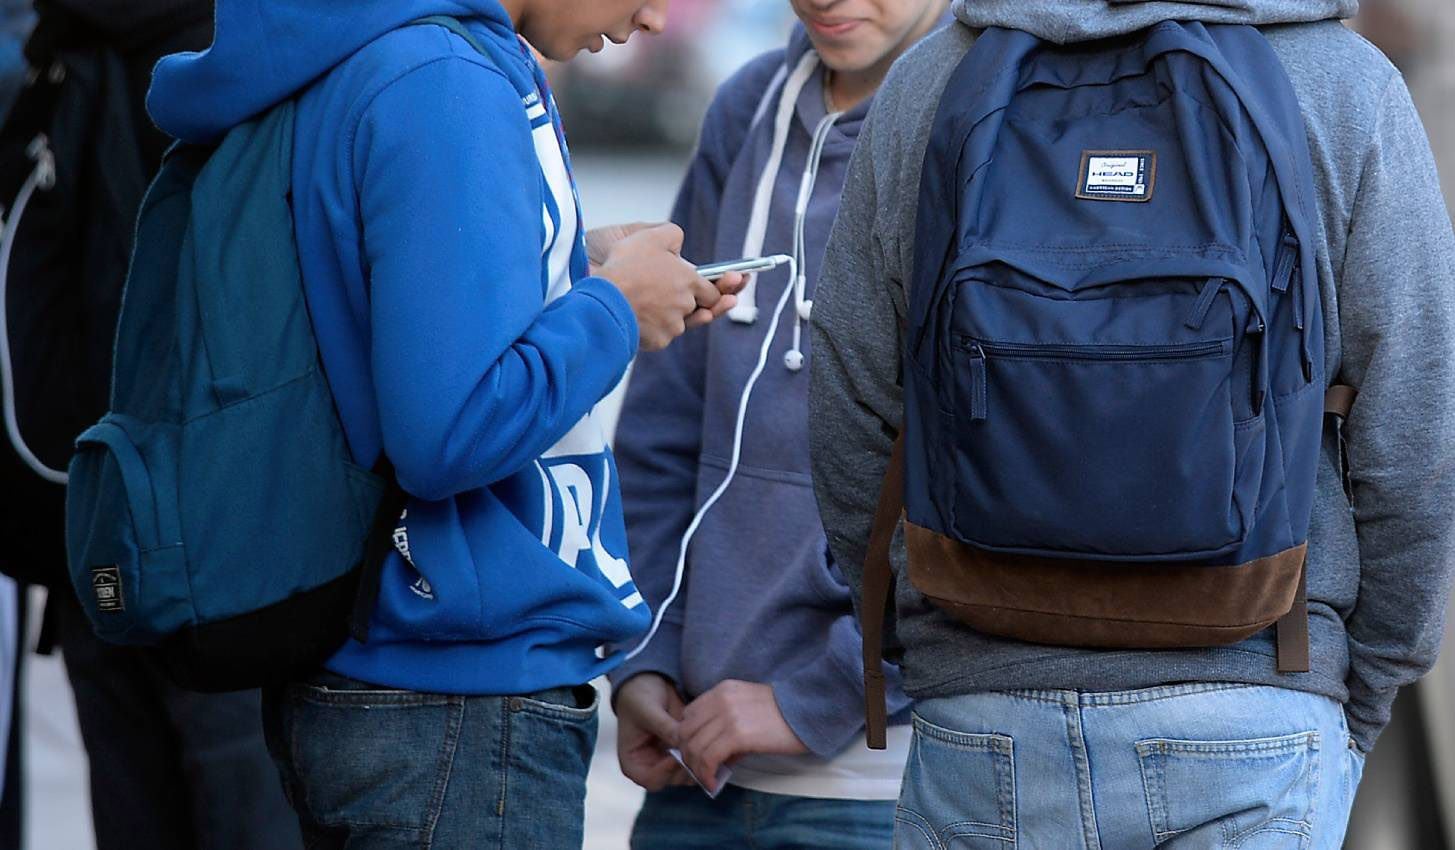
<point>215,512</point>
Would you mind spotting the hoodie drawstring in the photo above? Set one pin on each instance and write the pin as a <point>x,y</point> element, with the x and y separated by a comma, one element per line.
<point>746,310</point>
<point>804,307</point>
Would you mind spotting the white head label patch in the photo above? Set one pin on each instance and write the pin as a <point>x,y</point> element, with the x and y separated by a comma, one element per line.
<point>1117,176</point>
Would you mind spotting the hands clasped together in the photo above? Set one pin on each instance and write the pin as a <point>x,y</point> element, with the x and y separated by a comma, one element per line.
<point>731,720</point>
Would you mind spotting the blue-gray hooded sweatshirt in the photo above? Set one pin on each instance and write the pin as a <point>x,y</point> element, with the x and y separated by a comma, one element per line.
<point>762,601</point>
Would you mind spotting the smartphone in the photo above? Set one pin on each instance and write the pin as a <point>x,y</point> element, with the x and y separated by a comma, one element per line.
<point>747,265</point>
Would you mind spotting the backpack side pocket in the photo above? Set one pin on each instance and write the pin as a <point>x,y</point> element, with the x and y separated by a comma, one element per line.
<point>124,545</point>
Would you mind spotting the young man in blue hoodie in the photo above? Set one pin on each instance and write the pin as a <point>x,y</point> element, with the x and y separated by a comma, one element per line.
<point>443,257</point>
<point>761,644</point>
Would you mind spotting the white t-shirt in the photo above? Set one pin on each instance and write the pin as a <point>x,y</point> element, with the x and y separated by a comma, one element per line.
<point>858,773</point>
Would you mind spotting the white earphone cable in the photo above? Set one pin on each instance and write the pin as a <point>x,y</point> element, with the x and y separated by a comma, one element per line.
<point>42,177</point>
<point>737,455</point>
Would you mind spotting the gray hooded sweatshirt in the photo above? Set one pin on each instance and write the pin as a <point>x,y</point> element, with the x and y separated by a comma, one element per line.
<point>1378,574</point>
<point>761,600</point>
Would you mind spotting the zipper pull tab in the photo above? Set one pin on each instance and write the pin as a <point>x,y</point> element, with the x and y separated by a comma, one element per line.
<point>978,378</point>
<point>1260,372</point>
<point>1287,255</point>
<point>1204,303</point>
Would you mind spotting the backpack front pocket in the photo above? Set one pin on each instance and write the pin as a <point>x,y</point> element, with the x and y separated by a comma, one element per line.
<point>1115,451</point>
<point>127,561</point>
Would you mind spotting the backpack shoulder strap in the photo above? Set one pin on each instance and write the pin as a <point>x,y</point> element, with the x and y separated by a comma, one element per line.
<point>454,26</point>
<point>878,579</point>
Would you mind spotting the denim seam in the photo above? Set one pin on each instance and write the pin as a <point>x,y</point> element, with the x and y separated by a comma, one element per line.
<point>370,698</point>
<point>1236,841</point>
<point>909,817</point>
<point>1005,771</point>
<point>1261,746</point>
<point>980,824</point>
<point>1086,799</point>
<point>506,719</point>
<point>1315,771</point>
<point>445,768</point>
<point>929,691</point>
<point>750,820</point>
<point>1151,781</point>
<point>987,742</point>
<point>1132,696</point>
<point>554,711</point>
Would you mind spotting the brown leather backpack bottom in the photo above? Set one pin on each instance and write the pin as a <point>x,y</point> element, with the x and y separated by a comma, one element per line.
<point>1082,603</point>
<point>1102,603</point>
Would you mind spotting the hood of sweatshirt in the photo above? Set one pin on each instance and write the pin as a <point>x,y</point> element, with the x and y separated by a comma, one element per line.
<point>1067,21</point>
<point>266,51</point>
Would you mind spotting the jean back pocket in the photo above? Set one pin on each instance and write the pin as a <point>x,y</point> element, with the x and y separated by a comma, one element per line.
<point>1253,794</point>
<point>959,791</point>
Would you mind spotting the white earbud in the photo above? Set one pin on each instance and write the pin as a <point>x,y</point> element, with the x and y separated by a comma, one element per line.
<point>805,311</point>
<point>793,360</point>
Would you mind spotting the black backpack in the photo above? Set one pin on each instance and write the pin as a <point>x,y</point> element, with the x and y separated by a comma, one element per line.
<point>76,155</point>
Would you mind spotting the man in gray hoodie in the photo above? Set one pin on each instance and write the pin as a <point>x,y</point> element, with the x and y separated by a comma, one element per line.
<point>1062,747</point>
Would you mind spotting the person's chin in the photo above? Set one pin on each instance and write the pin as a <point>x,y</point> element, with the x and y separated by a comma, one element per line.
<point>845,59</point>
<point>556,53</point>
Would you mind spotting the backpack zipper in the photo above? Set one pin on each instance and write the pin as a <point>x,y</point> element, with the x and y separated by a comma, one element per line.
<point>1119,353</point>
<point>981,351</point>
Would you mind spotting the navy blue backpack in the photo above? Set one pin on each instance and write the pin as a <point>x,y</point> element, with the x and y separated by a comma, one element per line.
<point>1114,355</point>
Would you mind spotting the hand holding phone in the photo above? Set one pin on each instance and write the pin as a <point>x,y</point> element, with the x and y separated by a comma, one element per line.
<point>747,265</point>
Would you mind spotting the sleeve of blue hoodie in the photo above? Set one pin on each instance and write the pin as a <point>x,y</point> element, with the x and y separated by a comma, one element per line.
<point>659,435</point>
<point>476,376</point>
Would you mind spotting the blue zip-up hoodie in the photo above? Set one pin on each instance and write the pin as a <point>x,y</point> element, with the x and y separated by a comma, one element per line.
<point>762,600</point>
<point>445,271</point>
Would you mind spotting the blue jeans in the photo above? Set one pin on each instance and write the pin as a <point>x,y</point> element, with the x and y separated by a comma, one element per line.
<point>685,819</point>
<point>372,768</point>
<point>1184,767</point>
<point>170,769</point>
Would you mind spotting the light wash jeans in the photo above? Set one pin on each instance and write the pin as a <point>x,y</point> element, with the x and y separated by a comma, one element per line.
<point>1183,767</point>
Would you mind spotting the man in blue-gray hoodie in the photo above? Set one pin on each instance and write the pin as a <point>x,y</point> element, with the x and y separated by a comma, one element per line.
<point>445,269</point>
<point>762,644</point>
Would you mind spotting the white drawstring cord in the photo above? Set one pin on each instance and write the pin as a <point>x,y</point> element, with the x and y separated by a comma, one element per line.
<point>803,307</point>
<point>736,456</point>
<point>746,310</point>
<point>43,176</point>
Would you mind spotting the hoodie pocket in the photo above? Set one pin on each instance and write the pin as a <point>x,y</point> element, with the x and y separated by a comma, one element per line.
<point>124,544</point>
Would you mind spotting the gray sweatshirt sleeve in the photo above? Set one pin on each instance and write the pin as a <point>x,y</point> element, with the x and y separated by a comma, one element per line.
<point>1397,319</point>
<point>855,400</point>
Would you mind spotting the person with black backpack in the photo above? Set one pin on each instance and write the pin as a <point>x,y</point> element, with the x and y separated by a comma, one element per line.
<point>1156,298</point>
<point>168,768</point>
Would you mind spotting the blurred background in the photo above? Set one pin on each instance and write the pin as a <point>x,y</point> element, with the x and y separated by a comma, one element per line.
<point>632,115</point>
